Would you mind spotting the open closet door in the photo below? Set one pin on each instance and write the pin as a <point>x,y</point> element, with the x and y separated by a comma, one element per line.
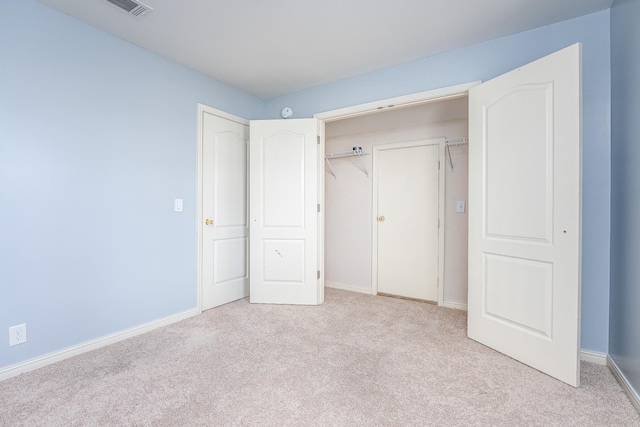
<point>286,192</point>
<point>525,214</point>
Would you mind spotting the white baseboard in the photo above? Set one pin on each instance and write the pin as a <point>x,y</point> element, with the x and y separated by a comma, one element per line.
<point>345,287</point>
<point>593,357</point>
<point>48,359</point>
<point>456,305</point>
<point>626,386</point>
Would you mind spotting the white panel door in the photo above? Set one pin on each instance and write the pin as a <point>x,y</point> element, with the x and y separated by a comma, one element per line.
<point>525,214</point>
<point>225,233</point>
<point>285,189</point>
<point>407,217</point>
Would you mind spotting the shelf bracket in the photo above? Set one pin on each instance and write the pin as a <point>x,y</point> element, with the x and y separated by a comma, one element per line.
<point>346,154</point>
<point>331,167</point>
<point>364,167</point>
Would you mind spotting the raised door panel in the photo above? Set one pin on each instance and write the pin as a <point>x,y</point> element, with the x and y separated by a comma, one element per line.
<point>519,174</point>
<point>230,180</point>
<point>230,257</point>
<point>519,293</point>
<point>283,181</point>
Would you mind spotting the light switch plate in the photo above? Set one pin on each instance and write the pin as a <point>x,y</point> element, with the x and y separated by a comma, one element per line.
<point>460,206</point>
<point>177,205</point>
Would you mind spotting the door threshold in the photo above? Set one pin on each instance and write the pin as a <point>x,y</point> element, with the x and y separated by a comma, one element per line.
<point>381,294</point>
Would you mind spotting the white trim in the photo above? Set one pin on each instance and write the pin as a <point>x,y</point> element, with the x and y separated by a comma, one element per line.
<point>397,102</point>
<point>593,357</point>
<point>76,350</point>
<point>222,114</point>
<point>200,185</point>
<point>441,219</point>
<point>345,287</point>
<point>626,385</point>
<point>455,305</point>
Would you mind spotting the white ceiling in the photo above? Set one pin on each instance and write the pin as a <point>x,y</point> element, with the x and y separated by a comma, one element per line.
<point>273,47</point>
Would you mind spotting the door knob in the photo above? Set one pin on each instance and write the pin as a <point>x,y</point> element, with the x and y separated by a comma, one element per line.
<point>381,218</point>
<point>209,222</point>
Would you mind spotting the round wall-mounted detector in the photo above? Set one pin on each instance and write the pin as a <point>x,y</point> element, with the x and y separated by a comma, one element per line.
<point>286,113</point>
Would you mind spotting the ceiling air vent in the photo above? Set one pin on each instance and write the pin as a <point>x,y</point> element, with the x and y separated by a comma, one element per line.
<point>134,8</point>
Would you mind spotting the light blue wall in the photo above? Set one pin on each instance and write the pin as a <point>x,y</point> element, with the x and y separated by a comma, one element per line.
<point>624,332</point>
<point>485,61</point>
<point>97,137</point>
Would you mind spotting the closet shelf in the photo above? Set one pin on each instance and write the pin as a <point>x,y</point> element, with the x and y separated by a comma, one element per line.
<point>456,141</point>
<point>343,154</point>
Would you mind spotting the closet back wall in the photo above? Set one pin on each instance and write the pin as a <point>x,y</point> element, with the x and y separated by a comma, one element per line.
<point>348,198</point>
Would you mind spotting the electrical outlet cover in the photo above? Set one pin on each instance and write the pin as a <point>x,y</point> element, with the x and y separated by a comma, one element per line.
<point>17,334</point>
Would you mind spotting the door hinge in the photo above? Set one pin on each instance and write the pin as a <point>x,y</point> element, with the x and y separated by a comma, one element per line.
<point>318,274</point>
<point>318,139</point>
<point>438,164</point>
<point>318,207</point>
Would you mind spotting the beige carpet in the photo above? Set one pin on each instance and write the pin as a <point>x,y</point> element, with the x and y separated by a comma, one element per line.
<point>357,360</point>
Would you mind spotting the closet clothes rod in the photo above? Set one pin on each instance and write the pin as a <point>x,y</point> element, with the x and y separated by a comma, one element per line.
<point>452,142</point>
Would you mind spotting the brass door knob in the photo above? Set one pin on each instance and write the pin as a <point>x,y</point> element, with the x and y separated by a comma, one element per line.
<point>209,222</point>
<point>381,218</point>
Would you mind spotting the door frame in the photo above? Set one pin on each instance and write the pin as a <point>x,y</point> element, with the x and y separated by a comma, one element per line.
<point>202,109</point>
<point>388,104</point>
<point>441,224</point>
